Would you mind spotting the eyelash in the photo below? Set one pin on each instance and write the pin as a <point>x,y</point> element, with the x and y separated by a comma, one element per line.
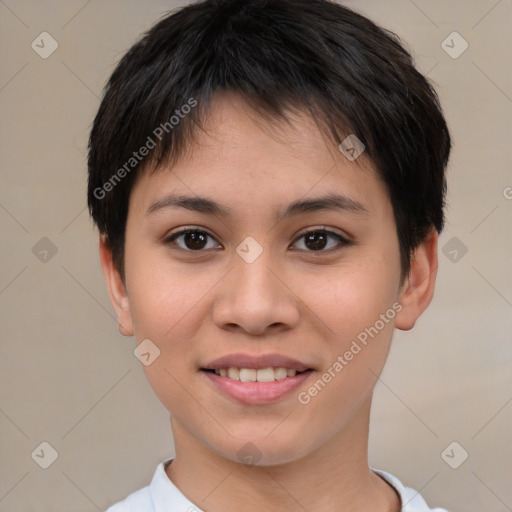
<point>343,242</point>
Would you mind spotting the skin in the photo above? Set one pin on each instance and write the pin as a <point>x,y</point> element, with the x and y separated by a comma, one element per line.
<point>310,305</point>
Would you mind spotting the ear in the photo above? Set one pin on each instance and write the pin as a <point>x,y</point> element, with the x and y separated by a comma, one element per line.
<point>418,288</point>
<point>116,289</point>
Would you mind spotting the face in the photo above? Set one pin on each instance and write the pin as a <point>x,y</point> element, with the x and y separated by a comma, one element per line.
<point>318,284</point>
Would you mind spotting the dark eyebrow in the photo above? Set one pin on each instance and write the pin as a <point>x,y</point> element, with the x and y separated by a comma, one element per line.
<point>328,202</point>
<point>197,204</point>
<point>211,207</point>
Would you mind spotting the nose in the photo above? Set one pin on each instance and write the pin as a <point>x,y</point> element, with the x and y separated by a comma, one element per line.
<point>256,298</point>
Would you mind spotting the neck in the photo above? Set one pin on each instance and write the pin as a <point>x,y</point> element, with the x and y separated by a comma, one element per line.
<point>335,474</point>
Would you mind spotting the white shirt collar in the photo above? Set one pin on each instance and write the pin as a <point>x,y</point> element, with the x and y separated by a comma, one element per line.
<point>166,497</point>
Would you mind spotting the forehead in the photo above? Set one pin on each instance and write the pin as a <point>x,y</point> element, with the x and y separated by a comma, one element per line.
<point>233,130</point>
<point>246,160</point>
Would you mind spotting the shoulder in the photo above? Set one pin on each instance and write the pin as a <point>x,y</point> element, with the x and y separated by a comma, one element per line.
<point>155,497</point>
<point>138,501</point>
<point>412,501</point>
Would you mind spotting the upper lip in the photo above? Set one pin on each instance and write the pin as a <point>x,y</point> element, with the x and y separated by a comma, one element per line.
<point>240,360</point>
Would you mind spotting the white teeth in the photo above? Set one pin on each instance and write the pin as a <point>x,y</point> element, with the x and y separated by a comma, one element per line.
<point>265,375</point>
<point>280,373</point>
<point>234,373</point>
<point>248,375</point>
<point>253,375</point>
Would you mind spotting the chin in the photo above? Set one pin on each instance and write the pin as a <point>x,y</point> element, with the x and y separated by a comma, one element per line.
<point>260,451</point>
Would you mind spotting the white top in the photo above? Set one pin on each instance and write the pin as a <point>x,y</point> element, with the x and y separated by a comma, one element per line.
<point>161,495</point>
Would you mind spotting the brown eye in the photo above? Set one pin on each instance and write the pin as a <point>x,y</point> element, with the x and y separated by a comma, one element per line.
<point>318,240</point>
<point>315,241</point>
<point>192,239</point>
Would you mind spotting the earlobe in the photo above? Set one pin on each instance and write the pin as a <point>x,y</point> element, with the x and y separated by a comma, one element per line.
<point>116,289</point>
<point>418,288</point>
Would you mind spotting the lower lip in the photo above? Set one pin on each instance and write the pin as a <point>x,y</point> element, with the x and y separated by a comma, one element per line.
<point>257,393</point>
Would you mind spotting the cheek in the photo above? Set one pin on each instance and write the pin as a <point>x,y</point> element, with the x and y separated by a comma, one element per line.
<point>164,302</point>
<point>359,314</point>
<point>355,306</point>
<point>353,298</point>
<point>163,293</point>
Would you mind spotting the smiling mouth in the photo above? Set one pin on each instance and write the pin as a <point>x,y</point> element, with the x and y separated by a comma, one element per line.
<point>270,374</point>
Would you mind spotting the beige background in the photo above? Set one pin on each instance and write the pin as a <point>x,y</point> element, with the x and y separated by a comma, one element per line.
<point>68,377</point>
